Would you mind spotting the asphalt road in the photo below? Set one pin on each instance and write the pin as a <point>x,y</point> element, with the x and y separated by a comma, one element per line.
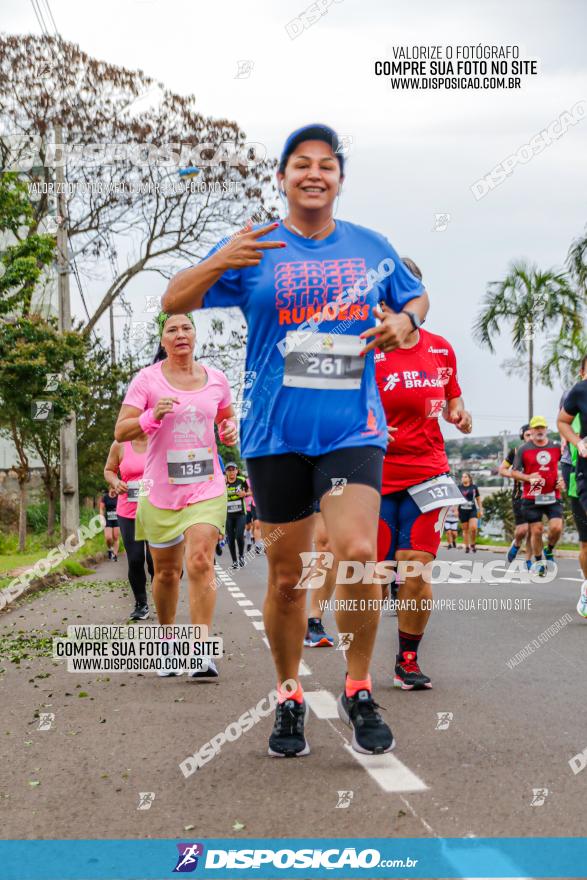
<point>511,729</point>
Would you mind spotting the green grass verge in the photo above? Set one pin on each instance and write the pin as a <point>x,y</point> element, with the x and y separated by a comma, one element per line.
<point>20,560</point>
<point>70,566</point>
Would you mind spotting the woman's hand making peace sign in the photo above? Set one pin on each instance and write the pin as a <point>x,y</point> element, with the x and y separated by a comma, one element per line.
<point>245,248</point>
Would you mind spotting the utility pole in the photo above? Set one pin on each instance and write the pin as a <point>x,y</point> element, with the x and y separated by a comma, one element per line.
<point>68,435</point>
<point>505,450</point>
<point>112,340</point>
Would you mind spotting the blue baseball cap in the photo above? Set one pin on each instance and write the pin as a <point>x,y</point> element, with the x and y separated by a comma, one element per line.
<point>313,132</point>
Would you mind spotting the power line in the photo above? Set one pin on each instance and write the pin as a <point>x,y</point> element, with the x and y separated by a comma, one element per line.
<point>52,19</point>
<point>72,262</point>
<point>39,14</point>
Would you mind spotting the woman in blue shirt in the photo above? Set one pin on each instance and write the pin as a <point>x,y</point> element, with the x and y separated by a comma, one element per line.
<point>310,288</point>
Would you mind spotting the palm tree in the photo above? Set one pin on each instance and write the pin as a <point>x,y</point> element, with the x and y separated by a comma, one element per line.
<point>529,301</point>
<point>564,352</point>
<point>562,358</point>
<point>577,263</point>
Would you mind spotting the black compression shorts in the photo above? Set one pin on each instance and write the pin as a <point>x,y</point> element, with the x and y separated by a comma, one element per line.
<point>580,518</point>
<point>533,512</point>
<point>519,515</point>
<point>286,486</point>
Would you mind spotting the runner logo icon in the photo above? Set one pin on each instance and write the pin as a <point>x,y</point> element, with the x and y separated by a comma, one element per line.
<point>539,795</point>
<point>444,719</point>
<point>344,799</point>
<point>313,577</point>
<point>187,859</point>
<point>391,381</point>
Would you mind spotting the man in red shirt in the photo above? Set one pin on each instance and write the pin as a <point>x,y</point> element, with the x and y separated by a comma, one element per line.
<point>536,466</point>
<point>418,384</point>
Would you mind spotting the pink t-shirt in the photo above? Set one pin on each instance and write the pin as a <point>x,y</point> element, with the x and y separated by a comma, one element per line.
<point>182,464</point>
<point>131,470</point>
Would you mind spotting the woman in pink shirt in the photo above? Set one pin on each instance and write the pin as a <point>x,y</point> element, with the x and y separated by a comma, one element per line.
<point>176,402</point>
<point>123,472</point>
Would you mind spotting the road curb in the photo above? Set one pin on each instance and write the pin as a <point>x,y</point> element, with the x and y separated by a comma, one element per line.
<point>53,579</point>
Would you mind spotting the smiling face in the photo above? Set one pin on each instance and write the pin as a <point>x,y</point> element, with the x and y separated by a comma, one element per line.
<point>179,336</point>
<point>312,176</point>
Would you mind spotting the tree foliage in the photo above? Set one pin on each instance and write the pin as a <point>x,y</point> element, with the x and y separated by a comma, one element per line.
<point>122,199</point>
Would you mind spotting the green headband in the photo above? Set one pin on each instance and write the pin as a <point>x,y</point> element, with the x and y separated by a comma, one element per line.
<point>162,317</point>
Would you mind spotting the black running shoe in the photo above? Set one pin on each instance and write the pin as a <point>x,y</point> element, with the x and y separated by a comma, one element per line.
<point>218,550</point>
<point>371,735</point>
<point>141,612</point>
<point>408,675</point>
<point>288,739</point>
<point>110,554</point>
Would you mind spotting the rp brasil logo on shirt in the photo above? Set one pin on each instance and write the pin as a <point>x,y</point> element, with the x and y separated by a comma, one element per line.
<point>187,859</point>
<point>418,379</point>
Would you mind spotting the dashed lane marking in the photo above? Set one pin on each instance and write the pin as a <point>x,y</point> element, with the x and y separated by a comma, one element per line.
<point>322,703</point>
<point>304,668</point>
<point>388,772</point>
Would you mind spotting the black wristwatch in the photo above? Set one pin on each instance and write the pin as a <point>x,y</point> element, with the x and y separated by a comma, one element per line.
<point>416,322</point>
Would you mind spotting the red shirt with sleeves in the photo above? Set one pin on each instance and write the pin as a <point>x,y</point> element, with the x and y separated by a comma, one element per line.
<point>415,385</point>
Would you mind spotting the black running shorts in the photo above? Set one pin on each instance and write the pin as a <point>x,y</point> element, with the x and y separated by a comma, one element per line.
<point>519,515</point>
<point>467,513</point>
<point>533,512</point>
<point>580,518</point>
<point>286,486</point>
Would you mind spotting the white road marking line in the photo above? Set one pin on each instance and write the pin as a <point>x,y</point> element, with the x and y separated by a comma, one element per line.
<point>232,588</point>
<point>236,594</point>
<point>304,668</point>
<point>244,602</point>
<point>388,772</point>
<point>579,580</point>
<point>322,703</point>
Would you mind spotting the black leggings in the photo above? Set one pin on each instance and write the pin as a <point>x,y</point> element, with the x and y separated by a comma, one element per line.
<point>137,552</point>
<point>235,534</point>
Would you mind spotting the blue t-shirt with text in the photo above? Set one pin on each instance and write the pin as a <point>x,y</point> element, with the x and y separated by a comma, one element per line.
<point>354,269</point>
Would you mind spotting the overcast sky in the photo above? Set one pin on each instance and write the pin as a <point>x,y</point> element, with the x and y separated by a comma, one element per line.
<point>414,154</point>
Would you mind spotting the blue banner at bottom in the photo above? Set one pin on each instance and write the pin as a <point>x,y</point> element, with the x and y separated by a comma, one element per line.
<point>305,858</point>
